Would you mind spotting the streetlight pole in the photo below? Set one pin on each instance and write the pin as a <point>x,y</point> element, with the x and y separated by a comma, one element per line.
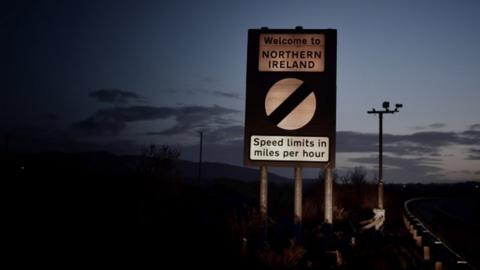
<point>380,113</point>
<point>380,161</point>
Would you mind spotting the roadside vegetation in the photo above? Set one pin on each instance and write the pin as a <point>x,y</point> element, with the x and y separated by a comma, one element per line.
<point>148,209</point>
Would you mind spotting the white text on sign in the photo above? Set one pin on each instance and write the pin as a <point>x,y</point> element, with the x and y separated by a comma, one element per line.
<point>289,148</point>
<point>292,52</point>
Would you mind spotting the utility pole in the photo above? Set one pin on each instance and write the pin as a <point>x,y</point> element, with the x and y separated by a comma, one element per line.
<point>200,156</point>
<point>380,113</point>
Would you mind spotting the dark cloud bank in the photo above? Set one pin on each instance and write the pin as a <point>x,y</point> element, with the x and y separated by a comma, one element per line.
<point>112,121</point>
<point>214,93</point>
<point>413,157</point>
<point>432,126</point>
<point>408,158</point>
<point>114,96</point>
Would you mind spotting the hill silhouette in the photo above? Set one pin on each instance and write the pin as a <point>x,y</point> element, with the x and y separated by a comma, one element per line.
<point>108,165</point>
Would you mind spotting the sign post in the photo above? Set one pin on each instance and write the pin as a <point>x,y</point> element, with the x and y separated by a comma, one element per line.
<point>264,199</point>
<point>290,112</point>
<point>297,207</point>
<point>298,196</point>
<point>263,192</point>
<point>328,196</point>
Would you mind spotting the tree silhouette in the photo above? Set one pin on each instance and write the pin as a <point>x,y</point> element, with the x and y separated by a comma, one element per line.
<point>158,161</point>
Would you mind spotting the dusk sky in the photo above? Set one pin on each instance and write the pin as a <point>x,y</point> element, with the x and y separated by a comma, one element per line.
<point>119,75</point>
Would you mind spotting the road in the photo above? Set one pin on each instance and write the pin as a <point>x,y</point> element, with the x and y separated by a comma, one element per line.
<point>456,221</point>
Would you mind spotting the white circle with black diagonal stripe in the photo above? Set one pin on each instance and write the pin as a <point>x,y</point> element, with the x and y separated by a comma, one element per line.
<point>290,104</point>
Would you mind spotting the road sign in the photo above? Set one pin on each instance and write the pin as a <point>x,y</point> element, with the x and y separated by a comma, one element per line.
<point>290,109</point>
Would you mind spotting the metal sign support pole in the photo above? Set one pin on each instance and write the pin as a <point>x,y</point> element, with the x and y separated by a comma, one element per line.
<point>297,215</point>
<point>263,192</point>
<point>264,200</point>
<point>328,195</point>
<point>298,196</point>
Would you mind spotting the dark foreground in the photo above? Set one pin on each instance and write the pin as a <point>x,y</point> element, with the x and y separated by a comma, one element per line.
<point>63,213</point>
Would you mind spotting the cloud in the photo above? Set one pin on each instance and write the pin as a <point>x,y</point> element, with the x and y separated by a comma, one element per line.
<point>217,93</point>
<point>397,161</point>
<point>349,141</point>
<point>470,137</point>
<point>474,127</point>
<point>225,94</point>
<point>223,135</point>
<point>432,126</point>
<point>474,154</point>
<point>415,157</point>
<point>419,143</point>
<point>438,125</point>
<point>112,121</point>
<point>432,138</point>
<point>397,169</point>
<point>194,118</point>
<point>114,96</point>
<point>413,144</point>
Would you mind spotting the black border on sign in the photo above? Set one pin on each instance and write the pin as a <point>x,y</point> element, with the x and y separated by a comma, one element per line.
<point>323,123</point>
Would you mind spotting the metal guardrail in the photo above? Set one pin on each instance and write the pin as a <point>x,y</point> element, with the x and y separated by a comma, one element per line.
<point>436,253</point>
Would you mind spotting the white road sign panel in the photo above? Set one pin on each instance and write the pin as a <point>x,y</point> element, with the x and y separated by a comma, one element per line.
<point>292,52</point>
<point>289,148</point>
